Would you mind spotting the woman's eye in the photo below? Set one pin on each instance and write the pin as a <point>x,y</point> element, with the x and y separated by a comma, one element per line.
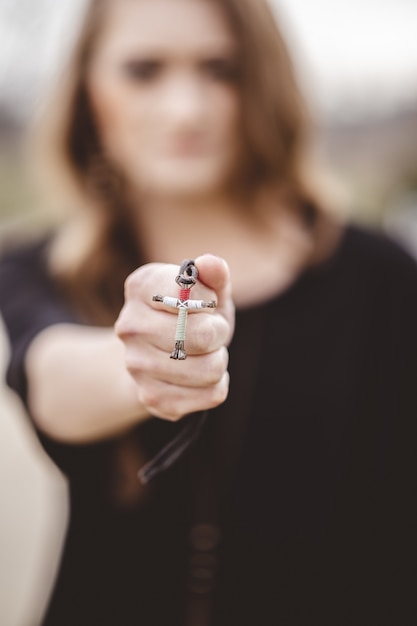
<point>224,70</point>
<point>142,70</point>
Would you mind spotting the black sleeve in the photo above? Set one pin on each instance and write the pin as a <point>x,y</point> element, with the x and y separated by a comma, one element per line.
<point>29,303</point>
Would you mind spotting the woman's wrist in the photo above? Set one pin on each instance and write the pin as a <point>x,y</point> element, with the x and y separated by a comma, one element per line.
<point>79,389</point>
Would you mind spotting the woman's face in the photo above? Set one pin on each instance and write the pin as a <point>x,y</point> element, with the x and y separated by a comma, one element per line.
<point>163,88</point>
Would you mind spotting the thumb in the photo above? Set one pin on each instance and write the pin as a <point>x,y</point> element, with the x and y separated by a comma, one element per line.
<point>214,273</point>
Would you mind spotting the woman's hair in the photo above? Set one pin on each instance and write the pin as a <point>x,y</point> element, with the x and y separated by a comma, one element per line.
<point>93,251</point>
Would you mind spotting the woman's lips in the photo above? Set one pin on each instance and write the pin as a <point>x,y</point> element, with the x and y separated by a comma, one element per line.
<point>186,148</point>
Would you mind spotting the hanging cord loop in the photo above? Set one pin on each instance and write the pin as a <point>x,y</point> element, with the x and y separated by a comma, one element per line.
<point>175,448</point>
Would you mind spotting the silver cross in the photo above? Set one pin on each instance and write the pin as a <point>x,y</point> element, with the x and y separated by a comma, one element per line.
<point>187,277</point>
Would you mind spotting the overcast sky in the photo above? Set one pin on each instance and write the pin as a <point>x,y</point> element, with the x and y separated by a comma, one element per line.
<point>352,54</point>
<point>358,51</point>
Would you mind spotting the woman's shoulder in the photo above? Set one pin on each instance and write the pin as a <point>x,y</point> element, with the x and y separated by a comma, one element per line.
<point>24,257</point>
<point>25,275</point>
<point>372,253</point>
<point>377,245</point>
<point>24,250</point>
<point>374,269</point>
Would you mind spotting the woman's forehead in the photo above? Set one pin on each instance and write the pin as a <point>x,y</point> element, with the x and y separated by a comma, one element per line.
<point>164,26</point>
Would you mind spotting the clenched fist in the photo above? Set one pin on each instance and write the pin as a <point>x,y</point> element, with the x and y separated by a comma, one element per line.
<point>169,388</point>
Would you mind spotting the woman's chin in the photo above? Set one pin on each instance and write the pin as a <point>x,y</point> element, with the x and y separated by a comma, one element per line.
<point>178,189</point>
<point>188,180</point>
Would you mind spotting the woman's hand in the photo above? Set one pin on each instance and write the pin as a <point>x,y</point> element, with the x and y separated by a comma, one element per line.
<point>169,388</point>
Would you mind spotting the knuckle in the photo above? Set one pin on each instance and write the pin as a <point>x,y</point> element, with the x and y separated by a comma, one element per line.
<point>159,404</point>
<point>224,353</point>
<point>135,363</point>
<point>138,281</point>
<point>126,324</point>
<point>150,399</point>
<point>173,415</point>
<point>120,326</point>
<point>130,286</point>
<point>203,336</point>
<point>164,411</point>
<point>220,391</point>
<point>226,330</point>
<point>130,325</point>
<point>216,366</point>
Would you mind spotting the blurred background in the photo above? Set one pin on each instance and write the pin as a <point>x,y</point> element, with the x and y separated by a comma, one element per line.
<point>357,63</point>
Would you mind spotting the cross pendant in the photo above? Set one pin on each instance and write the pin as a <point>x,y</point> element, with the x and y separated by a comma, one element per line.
<point>186,279</point>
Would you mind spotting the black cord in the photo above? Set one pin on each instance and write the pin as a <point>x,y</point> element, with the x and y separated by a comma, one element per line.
<point>174,450</point>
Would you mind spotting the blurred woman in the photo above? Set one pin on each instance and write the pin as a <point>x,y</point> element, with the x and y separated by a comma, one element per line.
<point>179,131</point>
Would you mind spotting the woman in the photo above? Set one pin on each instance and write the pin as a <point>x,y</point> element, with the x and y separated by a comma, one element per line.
<point>181,130</point>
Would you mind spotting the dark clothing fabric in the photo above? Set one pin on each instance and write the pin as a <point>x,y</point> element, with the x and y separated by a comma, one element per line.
<point>311,461</point>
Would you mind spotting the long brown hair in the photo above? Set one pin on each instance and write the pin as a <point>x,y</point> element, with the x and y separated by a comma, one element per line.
<point>93,251</point>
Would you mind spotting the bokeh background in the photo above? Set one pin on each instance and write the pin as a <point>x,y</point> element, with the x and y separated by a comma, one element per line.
<point>357,62</point>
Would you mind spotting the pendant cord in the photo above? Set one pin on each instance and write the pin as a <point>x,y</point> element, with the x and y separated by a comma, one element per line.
<point>175,448</point>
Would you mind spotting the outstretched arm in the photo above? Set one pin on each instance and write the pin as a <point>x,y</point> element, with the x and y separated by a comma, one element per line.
<point>84,384</point>
<point>78,387</point>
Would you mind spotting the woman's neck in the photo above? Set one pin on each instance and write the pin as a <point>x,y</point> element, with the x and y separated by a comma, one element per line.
<point>169,229</point>
<point>263,245</point>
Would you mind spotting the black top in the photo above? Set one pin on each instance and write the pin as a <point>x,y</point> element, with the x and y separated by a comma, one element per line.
<point>308,468</point>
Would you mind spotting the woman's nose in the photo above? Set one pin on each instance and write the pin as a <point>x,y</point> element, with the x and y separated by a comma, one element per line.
<point>183,102</point>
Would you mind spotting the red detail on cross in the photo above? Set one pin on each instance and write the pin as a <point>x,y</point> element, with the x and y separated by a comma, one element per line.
<point>184,294</point>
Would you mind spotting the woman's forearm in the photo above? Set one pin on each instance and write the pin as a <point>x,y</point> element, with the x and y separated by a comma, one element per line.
<point>79,387</point>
